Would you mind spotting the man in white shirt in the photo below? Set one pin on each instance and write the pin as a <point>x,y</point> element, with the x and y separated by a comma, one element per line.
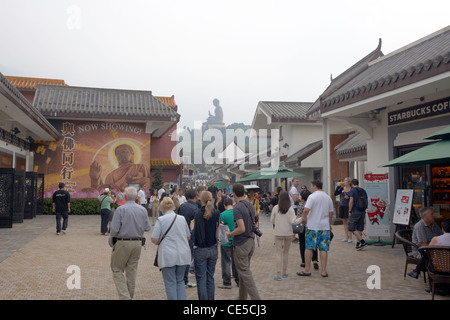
<point>160,192</point>
<point>317,215</point>
<point>294,195</point>
<point>181,198</point>
<point>142,198</point>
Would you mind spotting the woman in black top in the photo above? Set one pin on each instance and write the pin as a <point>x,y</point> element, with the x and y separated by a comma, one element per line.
<point>343,189</point>
<point>205,235</point>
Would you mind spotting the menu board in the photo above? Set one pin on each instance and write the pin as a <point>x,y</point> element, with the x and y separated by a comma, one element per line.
<point>403,205</point>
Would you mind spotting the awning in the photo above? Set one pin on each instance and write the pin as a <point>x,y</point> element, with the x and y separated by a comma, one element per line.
<point>438,152</point>
<point>308,150</point>
<point>354,147</point>
<point>441,134</point>
<point>269,173</point>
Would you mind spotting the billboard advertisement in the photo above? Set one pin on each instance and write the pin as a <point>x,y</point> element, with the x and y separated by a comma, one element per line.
<point>377,214</point>
<point>92,155</point>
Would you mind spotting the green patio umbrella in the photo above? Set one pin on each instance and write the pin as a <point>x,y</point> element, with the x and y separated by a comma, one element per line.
<point>438,152</point>
<point>441,134</point>
<point>250,177</point>
<point>269,173</point>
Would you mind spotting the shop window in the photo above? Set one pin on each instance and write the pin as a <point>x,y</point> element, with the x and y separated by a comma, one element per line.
<point>6,159</point>
<point>20,163</point>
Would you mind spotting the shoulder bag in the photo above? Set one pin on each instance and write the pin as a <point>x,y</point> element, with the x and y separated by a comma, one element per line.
<point>155,263</point>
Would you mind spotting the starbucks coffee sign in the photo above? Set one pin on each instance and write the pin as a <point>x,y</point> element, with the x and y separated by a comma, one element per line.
<point>429,109</point>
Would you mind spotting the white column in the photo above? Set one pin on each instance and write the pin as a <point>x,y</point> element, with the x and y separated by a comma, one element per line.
<point>326,156</point>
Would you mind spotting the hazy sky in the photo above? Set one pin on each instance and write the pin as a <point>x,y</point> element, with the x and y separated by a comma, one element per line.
<point>240,52</point>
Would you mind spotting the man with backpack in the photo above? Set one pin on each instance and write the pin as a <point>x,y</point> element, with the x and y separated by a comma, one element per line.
<point>357,212</point>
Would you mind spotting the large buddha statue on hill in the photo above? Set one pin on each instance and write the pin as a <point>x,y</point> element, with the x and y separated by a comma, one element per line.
<point>217,118</point>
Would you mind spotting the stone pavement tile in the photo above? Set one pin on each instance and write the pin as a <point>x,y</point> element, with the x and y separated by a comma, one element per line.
<point>38,268</point>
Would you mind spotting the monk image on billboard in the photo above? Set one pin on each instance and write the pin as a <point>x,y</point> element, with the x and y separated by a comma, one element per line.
<point>127,173</point>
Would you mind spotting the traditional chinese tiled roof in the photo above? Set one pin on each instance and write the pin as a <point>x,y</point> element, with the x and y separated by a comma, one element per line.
<point>355,143</point>
<point>13,94</point>
<point>303,153</point>
<point>420,60</point>
<point>168,101</point>
<point>344,78</point>
<point>31,83</point>
<point>282,111</point>
<point>164,163</point>
<point>82,102</point>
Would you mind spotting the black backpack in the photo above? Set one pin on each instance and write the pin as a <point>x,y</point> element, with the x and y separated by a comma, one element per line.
<point>362,201</point>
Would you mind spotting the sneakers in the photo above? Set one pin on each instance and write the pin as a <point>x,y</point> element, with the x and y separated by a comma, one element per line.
<point>413,274</point>
<point>360,245</point>
<point>190,285</point>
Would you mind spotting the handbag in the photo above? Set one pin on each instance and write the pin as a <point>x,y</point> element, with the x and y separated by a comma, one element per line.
<point>223,239</point>
<point>155,263</point>
<point>298,228</point>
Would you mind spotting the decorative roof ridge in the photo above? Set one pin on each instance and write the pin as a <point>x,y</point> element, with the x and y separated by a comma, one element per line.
<point>410,45</point>
<point>32,82</point>
<point>357,68</point>
<point>94,88</point>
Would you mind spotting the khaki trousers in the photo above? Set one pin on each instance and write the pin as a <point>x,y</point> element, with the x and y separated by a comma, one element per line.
<point>124,258</point>
<point>242,256</point>
<point>282,245</point>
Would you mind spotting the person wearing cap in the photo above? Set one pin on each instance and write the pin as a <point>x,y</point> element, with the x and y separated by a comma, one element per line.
<point>61,207</point>
<point>106,200</point>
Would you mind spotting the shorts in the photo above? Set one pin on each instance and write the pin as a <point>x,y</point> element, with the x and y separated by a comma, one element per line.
<point>356,221</point>
<point>317,239</point>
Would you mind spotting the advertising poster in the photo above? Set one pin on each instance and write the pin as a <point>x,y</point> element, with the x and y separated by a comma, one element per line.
<point>92,155</point>
<point>403,205</point>
<point>377,214</point>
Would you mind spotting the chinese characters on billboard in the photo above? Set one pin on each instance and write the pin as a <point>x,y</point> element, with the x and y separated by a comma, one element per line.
<point>93,155</point>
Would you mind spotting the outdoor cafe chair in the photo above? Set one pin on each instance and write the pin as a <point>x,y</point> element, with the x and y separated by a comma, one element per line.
<point>437,259</point>
<point>405,236</point>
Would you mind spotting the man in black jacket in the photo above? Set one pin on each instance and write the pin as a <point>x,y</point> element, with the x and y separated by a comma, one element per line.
<point>61,207</point>
<point>188,211</point>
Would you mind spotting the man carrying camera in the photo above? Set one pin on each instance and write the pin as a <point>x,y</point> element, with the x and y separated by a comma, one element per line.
<point>244,244</point>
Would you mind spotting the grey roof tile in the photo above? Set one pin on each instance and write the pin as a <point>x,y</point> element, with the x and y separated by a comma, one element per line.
<point>415,59</point>
<point>56,101</point>
<point>281,110</point>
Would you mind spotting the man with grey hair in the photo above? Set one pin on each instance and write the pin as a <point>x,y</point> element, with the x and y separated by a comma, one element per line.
<point>128,225</point>
<point>423,232</point>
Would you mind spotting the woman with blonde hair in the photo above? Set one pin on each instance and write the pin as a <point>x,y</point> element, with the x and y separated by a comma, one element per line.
<point>343,189</point>
<point>174,253</point>
<point>205,235</point>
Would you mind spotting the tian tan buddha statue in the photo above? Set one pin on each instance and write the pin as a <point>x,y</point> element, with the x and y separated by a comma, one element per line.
<point>217,118</point>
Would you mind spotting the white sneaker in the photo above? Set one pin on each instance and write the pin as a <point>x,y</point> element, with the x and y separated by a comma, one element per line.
<point>190,285</point>
<point>58,233</point>
<point>350,241</point>
<point>344,240</point>
<point>64,231</point>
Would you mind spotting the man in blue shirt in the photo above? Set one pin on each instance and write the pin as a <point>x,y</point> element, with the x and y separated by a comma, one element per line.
<point>356,216</point>
<point>229,189</point>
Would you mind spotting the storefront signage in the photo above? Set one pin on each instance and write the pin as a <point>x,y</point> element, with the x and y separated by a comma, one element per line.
<point>403,205</point>
<point>377,214</point>
<point>422,111</point>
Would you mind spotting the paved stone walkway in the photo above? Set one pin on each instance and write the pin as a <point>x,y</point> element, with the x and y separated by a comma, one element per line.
<point>34,263</point>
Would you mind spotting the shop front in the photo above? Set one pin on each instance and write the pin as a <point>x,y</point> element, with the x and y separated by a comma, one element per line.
<point>428,176</point>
